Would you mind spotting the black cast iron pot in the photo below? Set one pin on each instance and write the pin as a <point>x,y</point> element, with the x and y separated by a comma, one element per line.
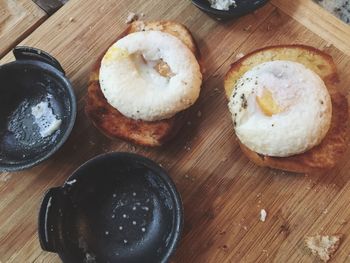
<point>117,207</point>
<point>34,77</point>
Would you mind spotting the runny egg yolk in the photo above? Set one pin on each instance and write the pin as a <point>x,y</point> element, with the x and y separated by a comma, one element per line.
<point>163,69</point>
<point>267,103</point>
<point>115,53</point>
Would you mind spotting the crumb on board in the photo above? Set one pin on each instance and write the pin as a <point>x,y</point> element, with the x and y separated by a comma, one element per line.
<point>263,215</point>
<point>187,148</point>
<point>264,251</point>
<point>248,28</point>
<point>239,55</point>
<point>343,222</point>
<point>189,177</point>
<point>131,18</point>
<point>223,232</point>
<point>4,177</point>
<point>323,246</point>
<point>71,19</point>
<point>224,247</point>
<point>216,74</point>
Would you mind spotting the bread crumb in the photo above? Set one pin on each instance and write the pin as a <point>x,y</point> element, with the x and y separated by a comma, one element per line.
<point>189,177</point>
<point>343,222</point>
<point>248,28</point>
<point>328,45</point>
<point>240,55</point>
<point>131,18</point>
<point>223,232</point>
<point>263,215</point>
<point>199,114</point>
<point>4,177</point>
<point>323,246</point>
<point>71,19</point>
<point>216,74</point>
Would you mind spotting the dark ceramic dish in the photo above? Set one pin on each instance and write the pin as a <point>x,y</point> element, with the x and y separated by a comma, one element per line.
<point>34,77</point>
<point>243,7</point>
<point>117,207</point>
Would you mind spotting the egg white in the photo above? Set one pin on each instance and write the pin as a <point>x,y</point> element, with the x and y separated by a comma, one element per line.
<point>304,102</point>
<point>131,84</point>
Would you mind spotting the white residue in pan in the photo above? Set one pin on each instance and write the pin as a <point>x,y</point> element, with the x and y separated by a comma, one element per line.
<point>90,258</point>
<point>222,4</point>
<point>46,120</point>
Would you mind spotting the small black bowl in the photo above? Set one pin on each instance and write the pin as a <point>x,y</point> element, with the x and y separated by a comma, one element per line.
<point>242,8</point>
<point>117,207</point>
<point>33,78</point>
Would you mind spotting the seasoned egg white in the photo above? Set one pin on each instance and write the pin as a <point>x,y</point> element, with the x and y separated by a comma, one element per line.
<point>280,108</point>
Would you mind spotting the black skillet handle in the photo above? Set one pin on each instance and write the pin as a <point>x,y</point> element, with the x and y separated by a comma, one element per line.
<point>25,53</point>
<point>49,214</point>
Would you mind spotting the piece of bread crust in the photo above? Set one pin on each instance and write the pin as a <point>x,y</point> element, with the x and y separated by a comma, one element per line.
<point>323,246</point>
<point>114,124</point>
<point>325,155</point>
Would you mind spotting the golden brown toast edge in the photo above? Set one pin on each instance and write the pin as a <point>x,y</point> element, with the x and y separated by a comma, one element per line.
<point>115,125</point>
<point>330,150</point>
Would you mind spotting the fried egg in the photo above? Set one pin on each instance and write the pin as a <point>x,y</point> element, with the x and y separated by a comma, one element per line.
<point>280,108</point>
<point>150,76</point>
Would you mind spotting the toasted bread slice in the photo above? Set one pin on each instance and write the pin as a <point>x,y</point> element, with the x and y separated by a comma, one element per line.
<point>114,124</point>
<point>325,155</point>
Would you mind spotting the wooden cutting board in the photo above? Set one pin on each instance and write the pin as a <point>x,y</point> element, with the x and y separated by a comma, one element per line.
<point>222,191</point>
<point>18,18</point>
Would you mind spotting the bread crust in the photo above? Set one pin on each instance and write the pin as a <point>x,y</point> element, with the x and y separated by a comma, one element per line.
<point>114,124</point>
<point>325,155</point>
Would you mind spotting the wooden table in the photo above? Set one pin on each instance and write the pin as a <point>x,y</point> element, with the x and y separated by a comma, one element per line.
<point>17,20</point>
<point>222,191</point>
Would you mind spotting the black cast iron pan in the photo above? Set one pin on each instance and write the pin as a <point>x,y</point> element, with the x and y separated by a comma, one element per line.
<point>117,207</point>
<point>34,77</point>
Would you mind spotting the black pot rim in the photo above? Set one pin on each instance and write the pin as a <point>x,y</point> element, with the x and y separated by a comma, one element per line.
<point>73,112</point>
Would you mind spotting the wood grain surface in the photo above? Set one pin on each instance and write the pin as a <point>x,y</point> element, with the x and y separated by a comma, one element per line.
<point>319,21</point>
<point>222,191</point>
<point>18,18</point>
